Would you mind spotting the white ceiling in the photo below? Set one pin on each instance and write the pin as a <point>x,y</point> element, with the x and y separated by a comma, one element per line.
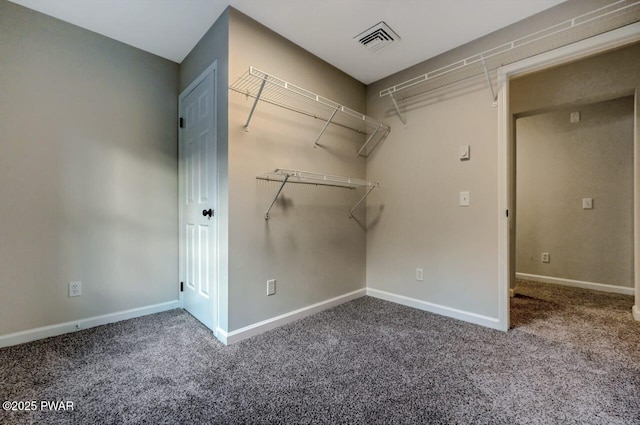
<point>171,28</point>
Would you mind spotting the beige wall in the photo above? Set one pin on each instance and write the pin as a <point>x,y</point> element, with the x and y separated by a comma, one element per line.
<point>558,164</point>
<point>214,47</point>
<point>87,173</point>
<point>309,244</point>
<point>418,220</point>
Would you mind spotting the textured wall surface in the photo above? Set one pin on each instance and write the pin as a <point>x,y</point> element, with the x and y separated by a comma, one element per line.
<point>558,164</point>
<point>603,77</point>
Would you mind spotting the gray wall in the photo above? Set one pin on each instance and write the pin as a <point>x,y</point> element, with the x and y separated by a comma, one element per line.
<point>309,244</point>
<point>418,222</point>
<point>603,77</point>
<point>87,173</point>
<point>558,164</point>
<point>214,47</point>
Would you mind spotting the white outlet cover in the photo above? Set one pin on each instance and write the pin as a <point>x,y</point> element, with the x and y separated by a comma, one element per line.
<point>464,199</point>
<point>75,289</point>
<point>419,274</point>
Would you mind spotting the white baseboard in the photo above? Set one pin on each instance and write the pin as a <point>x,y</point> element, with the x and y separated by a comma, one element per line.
<point>90,322</point>
<point>478,319</point>
<point>274,322</point>
<point>222,336</point>
<point>636,313</point>
<point>577,283</point>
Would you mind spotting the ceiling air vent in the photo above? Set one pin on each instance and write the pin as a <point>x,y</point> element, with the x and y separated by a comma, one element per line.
<point>377,37</point>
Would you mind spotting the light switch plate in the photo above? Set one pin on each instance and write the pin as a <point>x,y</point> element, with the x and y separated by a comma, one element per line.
<point>587,203</point>
<point>464,199</point>
<point>465,153</point>
<point>575,117</point>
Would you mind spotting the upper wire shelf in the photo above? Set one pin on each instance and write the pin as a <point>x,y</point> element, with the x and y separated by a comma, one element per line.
<point>284,176</point>
<point>598,21</point>
<point>267,88</point>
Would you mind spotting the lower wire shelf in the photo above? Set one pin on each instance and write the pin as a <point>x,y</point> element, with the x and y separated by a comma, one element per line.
<point>285,176</point>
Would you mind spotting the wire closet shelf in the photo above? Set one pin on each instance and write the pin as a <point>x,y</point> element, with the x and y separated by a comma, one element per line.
<point>273,90</point>
<point>598,21</point>
<point>284,176</point>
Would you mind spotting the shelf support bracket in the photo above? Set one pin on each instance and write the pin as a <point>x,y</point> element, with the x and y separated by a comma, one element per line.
<point>494,98</point>
<point>395,104</point>
<point>266,215</point>
<point>255,102</point>
<point>360,201</point>
<point>326,125</point>
<point>370,138</point>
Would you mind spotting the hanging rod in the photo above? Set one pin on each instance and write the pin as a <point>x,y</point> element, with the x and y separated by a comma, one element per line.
<point>273,90</point>
<point>285,176</point>
<point>597,21</point>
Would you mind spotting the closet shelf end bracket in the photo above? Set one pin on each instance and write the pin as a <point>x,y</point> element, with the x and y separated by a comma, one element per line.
<point>284,181</point>
<point>360,201</point>
<point>315,144</point>
<point>369,139</point>
<point>255,102</point>
<point>395,104</point>
<point>494,97</point>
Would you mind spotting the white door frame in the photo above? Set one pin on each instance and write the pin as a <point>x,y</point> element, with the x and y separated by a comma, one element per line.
<point>610,40</point>
<point>210,72</point>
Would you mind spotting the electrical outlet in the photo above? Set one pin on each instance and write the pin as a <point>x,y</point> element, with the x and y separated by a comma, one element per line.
<point>419,274</point>
<point>75,289</point>
<point>545,257</point>
<point>271,287</point>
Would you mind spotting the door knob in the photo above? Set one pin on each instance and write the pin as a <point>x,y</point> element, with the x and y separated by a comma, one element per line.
<point>208,212</point>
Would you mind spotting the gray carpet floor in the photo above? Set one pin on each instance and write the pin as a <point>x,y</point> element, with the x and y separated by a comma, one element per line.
<point>572,357</point>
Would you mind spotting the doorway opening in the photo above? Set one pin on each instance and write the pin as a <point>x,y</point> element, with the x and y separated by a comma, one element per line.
<point>197,198</point>
<point>563,81</point>
<point>574,212</point>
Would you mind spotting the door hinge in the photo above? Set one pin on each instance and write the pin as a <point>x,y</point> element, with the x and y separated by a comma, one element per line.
<point>181,122</point>
<point>507,212</point>
<point>181,286</point>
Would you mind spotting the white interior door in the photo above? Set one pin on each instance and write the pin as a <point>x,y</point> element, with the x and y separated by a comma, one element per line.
<point>197,192</point>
